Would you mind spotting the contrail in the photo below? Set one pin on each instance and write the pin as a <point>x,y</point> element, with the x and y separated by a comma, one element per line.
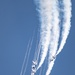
<point>28,56</point>
<point>66,25</point>
<point>50,29</point>
<point>36,58</point>
<point>45,33</point>
<point>54,37</point>
<point>25,58</point>
<point>50,68</point>
<point>37,49</point>
<point>65,32</point>
<point>38,52</point>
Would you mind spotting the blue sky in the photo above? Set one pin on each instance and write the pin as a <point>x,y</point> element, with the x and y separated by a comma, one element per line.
<point>18,21</point>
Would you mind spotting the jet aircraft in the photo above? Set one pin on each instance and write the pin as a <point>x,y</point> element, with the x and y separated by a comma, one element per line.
<point>33,70</point>
<point>34,66</point>
<point>34,62</point>
<point>53,57</point>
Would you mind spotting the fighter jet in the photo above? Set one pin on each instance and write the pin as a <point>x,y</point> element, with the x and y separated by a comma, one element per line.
<point>53,57</point>
<point>33,69</point>
<point>34,62</point>
<point>33,66</point>
<point>51,60</point>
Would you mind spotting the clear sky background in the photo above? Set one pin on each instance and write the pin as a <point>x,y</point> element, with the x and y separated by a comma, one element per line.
<point>18,21</point>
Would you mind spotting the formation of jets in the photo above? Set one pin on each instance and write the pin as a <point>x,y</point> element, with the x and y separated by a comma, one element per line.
<point>34,67</point>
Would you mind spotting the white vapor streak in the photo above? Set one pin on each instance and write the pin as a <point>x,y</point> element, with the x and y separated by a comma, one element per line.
<point>50,67</point>
<point>45,17</point>
<point>24,59</point>
<point>50,29</point>
<point>38,52</point>
<point>55,37</point>
<point>66,25</point>
<point>28,56</point>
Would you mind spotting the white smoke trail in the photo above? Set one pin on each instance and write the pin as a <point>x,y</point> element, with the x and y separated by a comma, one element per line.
<point>55,37</point>
<point>55,30</point>
<point>28,56</point>
<point>50,29</point>
<point>66,28</point>
<point>46,17</point>
<point>66,25</point>
<point>37,49</point>
<point>38,53</point>
<point>50,67</point>
<point>24,59</point>
<point>36,57</point>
